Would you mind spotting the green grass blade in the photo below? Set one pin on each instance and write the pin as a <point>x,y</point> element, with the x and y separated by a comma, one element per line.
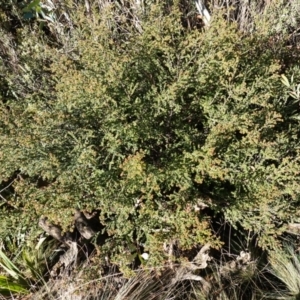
<point>7,287</point>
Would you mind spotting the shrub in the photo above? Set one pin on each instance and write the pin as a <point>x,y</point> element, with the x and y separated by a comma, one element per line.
<point>150,123</point>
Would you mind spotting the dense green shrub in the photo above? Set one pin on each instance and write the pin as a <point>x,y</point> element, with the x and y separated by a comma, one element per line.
<point>149,123</point>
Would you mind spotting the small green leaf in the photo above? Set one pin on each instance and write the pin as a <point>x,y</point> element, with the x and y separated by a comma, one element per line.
<point>285,81</point>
